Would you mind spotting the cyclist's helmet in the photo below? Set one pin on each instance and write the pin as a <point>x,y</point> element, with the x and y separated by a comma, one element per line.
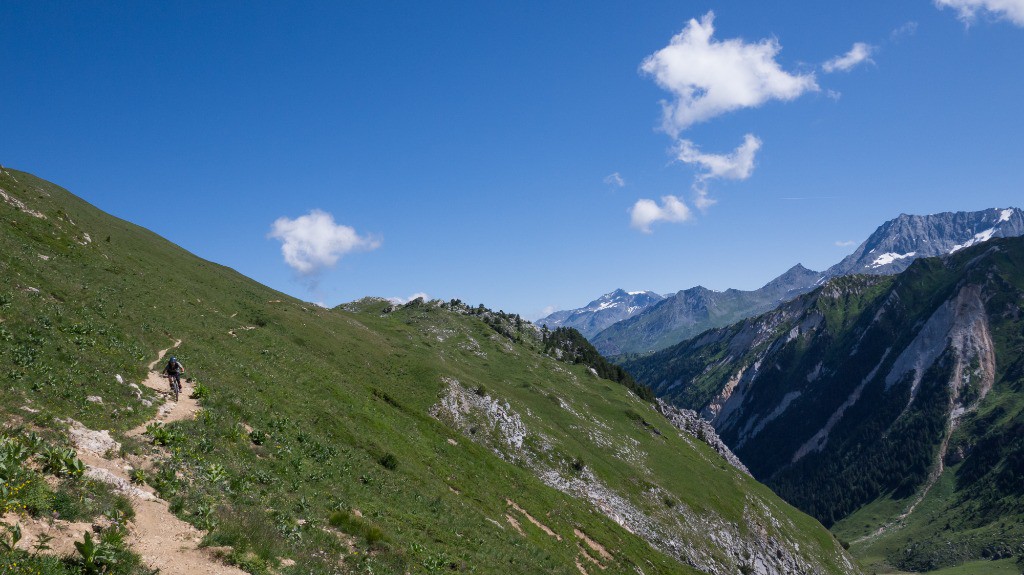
<point>173,359</point>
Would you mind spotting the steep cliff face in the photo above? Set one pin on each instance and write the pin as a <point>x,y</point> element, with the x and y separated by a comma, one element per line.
<point>872,387</point>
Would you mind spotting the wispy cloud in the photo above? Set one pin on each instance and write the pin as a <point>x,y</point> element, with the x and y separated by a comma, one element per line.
<point>845,243</point>
<point>615,179</point>
<point>707,77</point>
<point>858,54</point>
<point>645,213</point>
<point>969,10</point>
<point>314,241</point>
<point>907,29</point>
<point>739,165</point>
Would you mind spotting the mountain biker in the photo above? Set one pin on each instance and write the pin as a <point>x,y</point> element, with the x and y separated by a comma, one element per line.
<point>173,371</point>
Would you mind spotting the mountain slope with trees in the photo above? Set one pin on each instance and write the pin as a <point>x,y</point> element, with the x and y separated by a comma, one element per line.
<point>887,406</point>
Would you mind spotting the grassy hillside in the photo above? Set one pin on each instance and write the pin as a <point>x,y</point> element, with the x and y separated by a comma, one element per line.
<point>367,438</point>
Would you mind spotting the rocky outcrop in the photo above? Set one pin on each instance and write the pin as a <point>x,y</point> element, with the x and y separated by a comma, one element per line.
<point>691,422</point>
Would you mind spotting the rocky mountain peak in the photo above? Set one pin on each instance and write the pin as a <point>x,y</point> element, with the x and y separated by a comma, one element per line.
<point>898,242</point>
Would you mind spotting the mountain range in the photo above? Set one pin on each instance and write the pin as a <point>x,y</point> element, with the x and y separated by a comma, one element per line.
<point>604,311</point>
<point>890,249</point>
<point>891,407</point>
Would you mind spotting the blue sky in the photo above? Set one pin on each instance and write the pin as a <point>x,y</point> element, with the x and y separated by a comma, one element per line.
<point>470,149</point>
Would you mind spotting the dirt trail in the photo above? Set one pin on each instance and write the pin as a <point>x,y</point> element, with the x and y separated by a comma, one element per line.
<point>164,541</point>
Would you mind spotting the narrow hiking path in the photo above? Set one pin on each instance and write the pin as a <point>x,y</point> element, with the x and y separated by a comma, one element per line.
<point>164,541</point>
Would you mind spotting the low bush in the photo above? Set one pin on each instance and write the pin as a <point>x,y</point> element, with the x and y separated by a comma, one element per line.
<point>357,527</point>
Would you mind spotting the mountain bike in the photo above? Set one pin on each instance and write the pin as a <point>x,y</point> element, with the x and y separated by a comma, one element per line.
<point>175,380</point>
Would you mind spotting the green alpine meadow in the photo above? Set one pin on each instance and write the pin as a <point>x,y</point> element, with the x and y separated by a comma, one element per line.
<point>374,437</point>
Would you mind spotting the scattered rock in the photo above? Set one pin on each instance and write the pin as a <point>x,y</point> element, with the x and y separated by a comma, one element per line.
<point>119,484</point>
<point>94,399</point>
<point>19,205</point>
<point>98,442</point>
<point>119,378</point>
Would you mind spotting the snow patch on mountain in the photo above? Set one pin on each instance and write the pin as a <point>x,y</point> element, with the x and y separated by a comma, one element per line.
<point>977,239</point>
<point>889,257</point>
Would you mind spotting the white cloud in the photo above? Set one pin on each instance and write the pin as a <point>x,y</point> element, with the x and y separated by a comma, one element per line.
<point>703,201</point>
<point>858,54</point>
<point>405,300</point>
<point>615,179</point>
<point>968,10</point>
<point>845,243</point>
<point>313,242</point>
<point>645,212</point>
<point>708,78</point>
<point>907,29</point>
<point>738,165</point>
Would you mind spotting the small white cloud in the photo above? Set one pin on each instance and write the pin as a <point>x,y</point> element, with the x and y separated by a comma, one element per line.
<point>845,243</point>
<point>548,310</point>
<point>833,95</point>
<point>314,241</point>
<point>858,54</point>
<point>645,212</point>
<point>405,300</point>
<point>708,78</point>
<point>968,10</point>
<point>738,165</point>
<point>615,179</point>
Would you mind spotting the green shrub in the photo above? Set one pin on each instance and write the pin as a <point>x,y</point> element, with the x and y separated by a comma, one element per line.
<point>161,435</point>
<point>200,391</point>
<point>95,557</point>
<point>250,562</point>
<point>61,461</point>
<point>388,461</point>
<point>357,527</point>
<point>258,437</point>
<point>36,496</point>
